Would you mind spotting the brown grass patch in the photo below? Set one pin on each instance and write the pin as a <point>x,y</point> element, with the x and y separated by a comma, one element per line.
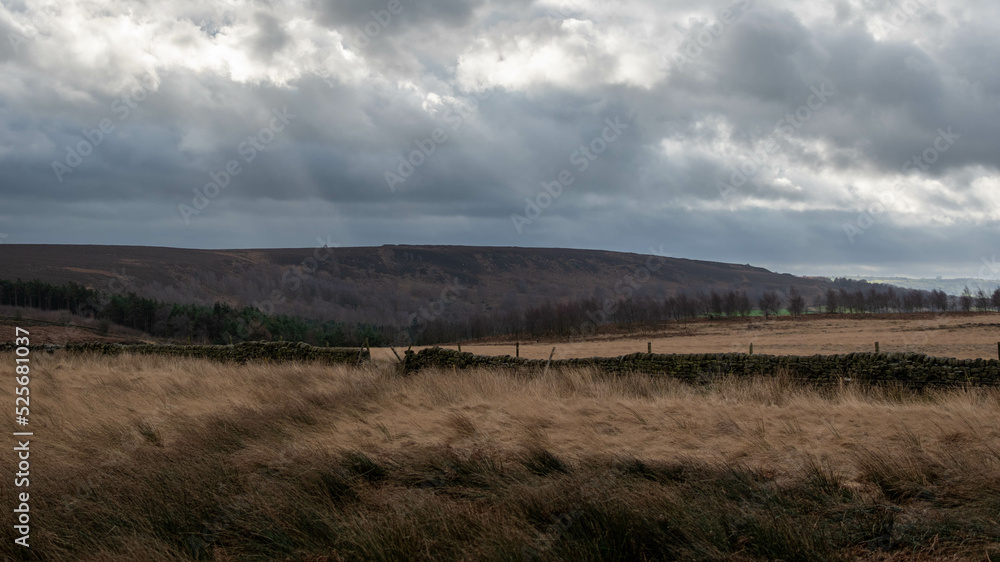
<point>953,334</point>
<point>164,459</point>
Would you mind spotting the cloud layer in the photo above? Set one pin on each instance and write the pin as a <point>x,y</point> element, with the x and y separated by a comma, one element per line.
<point>850,137</point>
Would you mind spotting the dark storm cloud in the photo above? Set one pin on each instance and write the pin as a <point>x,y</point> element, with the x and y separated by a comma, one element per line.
<point>444,13</point>
<point>271,35</point>
<point>740,103</point>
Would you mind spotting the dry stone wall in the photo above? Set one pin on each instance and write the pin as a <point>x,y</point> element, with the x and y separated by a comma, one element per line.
<point>911,369</point>
<point>241,352</point>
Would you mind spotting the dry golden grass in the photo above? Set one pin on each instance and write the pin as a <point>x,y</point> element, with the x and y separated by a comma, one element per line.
<point>765,422</point>
<point>960,335</point>
<point>142,457</point>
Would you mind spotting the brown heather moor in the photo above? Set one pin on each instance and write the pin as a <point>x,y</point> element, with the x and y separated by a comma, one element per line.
<point>971,335</point>
<point>157,458</point>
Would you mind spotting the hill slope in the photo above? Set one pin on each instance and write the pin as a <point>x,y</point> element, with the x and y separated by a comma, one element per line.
<point>384,284</point>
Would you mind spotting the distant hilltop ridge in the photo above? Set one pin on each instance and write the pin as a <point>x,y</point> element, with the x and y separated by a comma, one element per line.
<point>954,286</point>
<point>386,284</point>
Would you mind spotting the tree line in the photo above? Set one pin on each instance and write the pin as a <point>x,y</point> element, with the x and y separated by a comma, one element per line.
<point>222,323</point>
<point>585,317</point>
<point>216,324</point>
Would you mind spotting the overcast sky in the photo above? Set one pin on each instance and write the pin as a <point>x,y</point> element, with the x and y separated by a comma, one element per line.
<point>844,137</point>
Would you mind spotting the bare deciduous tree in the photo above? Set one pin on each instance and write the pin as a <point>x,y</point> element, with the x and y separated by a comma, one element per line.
<point>965,300</point>
<point>796,302</point>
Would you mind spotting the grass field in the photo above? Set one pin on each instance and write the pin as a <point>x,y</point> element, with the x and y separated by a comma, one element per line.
<point>961,335</point>
<point>151,458</point>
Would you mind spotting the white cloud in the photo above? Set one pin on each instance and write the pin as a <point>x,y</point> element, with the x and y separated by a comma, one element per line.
<point>555,70</point>
<point>570,54</point>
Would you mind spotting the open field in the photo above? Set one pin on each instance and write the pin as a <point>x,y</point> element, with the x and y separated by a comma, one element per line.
<point>959,335</point>
<point>163,458</point>
<point>954,334</point>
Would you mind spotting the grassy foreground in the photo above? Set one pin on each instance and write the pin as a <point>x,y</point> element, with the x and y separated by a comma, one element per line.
<point>153,458</point>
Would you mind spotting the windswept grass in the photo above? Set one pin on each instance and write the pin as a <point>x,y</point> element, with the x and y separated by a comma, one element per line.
<point>148,458</point>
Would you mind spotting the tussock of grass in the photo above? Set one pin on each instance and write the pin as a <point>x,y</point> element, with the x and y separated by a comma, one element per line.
<point>189,459</point>
<point>542,462</point>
